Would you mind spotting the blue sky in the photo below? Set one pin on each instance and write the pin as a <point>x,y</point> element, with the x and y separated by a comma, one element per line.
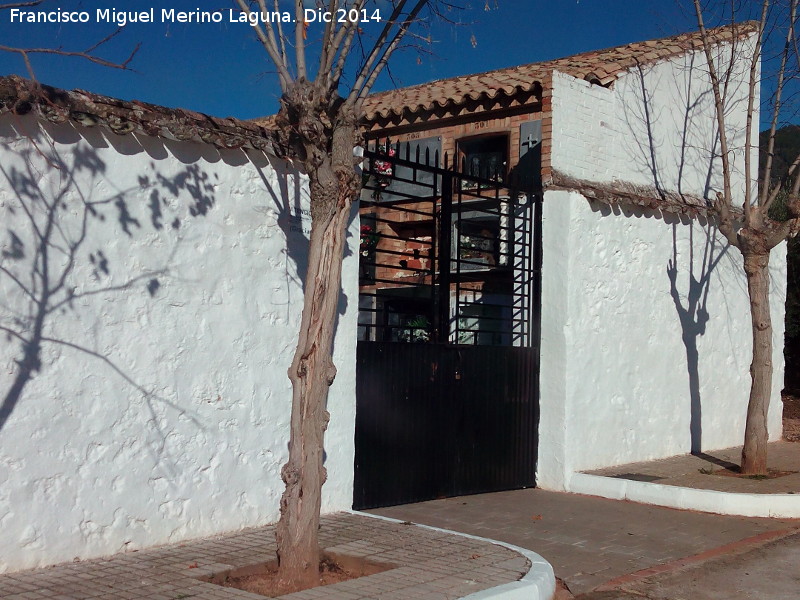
<point>219,69</point>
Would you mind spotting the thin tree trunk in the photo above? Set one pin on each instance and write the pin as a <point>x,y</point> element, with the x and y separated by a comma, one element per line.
<point>312,372</point>
<point>333,185</point>
<point>756,435</point>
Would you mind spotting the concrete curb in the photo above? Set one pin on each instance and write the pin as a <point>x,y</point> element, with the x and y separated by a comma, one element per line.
<point>539,583</point>
<point>783,506</point>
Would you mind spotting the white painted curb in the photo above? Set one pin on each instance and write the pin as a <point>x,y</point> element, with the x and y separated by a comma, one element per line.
<point>782,506</point>
<point>539,583</point>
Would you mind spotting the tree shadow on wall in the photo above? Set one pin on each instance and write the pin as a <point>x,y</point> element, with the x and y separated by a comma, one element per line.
<point>680,170</point>
<point>692,309</point>
<point>54,202</point>
<point>290,210</point>
<point>648,148</point>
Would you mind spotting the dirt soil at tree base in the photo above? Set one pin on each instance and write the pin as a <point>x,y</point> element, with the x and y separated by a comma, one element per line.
<point>263,578</point>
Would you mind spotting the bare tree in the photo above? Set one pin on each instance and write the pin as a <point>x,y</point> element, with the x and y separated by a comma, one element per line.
<point>319,121</point>
<point>744,215</point>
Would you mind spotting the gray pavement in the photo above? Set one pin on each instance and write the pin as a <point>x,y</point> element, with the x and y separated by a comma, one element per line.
<point>588,540</point>
<point>767,571</point>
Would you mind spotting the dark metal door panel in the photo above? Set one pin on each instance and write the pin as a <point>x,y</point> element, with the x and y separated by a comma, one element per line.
<point>400,445</point>
<point>496,418</point>
<point>436,421</point>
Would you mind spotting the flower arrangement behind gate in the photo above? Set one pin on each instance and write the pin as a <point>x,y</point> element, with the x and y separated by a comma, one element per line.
<point>383,170</point>
<point>369,239</point>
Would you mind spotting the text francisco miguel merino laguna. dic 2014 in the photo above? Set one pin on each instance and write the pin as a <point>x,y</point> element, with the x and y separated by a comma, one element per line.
<point>120,18</point>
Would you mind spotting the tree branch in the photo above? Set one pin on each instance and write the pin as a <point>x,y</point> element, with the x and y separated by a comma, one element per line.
<point>766,198</point>
<point>25,52</point>
<point>299,39</point>
<point>723,204</point>
<point>784,229</point>
<point>267,40</point>
<point>777,189</point>
<point>390,49</point>
<point>21,4</point>
<point>325,58</point>
<point>755,61</point>
<point>723,209</point>
<point>348,32</point>
<point>281,38</point>
<point>376,50</point>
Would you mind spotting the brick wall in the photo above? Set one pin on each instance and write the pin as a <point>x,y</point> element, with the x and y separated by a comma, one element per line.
<point>451,131</point>
<point>415,251</point>
<point>583,139</point>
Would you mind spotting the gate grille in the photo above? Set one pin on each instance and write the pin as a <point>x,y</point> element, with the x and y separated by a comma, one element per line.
<point>445,256</point>
<point>447,362</point>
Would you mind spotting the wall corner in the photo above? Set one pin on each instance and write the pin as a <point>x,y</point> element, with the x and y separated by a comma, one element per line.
<point>553,464</point>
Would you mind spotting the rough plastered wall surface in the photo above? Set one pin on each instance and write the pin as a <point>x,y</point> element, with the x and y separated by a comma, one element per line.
<point>646,341</point>
<point>159,403</point>
<point>653,323</point>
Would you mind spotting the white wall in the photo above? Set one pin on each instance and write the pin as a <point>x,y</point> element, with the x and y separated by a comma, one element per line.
<point>619,371</point>
<point>655,127</point>
<point>616,383</point>
<point>160,411</point>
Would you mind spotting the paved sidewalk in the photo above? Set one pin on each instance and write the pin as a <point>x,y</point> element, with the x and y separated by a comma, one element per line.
<point>430,565</point>
<point>588,540</point>
<point>754,571</point>
<point>702,471</point>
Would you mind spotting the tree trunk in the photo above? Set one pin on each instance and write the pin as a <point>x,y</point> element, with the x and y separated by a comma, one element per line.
<point>333,184</point>
<point>754,451</point>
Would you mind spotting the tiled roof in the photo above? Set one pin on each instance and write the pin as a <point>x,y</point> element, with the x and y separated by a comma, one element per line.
<point>21,96</point>
<point>598,66</point>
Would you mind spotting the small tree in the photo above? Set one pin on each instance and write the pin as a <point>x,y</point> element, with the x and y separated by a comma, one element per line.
<point>753,230</point>
<point>320,125</point>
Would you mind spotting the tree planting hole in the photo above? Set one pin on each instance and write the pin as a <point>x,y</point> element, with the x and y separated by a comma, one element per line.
<point>262,578</point>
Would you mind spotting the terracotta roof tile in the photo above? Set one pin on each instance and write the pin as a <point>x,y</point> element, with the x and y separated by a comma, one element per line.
<point>21,96</point>
<point>603,65</point>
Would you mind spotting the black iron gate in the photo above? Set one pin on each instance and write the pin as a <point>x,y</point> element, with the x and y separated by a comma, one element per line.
<point>447,361</point>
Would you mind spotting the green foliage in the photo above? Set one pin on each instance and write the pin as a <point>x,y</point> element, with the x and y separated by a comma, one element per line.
<point>417,329</point>
<point>787,148</point>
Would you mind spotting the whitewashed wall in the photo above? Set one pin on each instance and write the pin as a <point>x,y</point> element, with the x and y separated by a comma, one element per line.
<point>616,382</point>
<point>160,411</point>
<point>654,127</point>
<point>620,379</point>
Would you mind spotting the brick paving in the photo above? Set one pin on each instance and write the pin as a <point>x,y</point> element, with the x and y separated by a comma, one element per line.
<point>701,471</point>
<point>587,540</point>
<point>428,565</point>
